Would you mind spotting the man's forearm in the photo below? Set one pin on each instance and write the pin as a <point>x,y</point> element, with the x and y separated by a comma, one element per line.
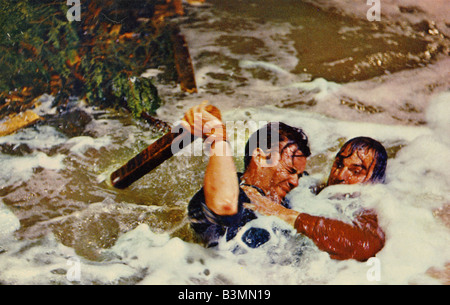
<point>221,185</point>
<point>342,240</point>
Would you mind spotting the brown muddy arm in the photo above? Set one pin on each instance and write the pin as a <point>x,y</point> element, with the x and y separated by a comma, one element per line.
<point>360,240</point>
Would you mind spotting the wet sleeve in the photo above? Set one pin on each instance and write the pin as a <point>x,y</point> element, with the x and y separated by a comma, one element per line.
<point>198,210</point>
<point>359,240</point>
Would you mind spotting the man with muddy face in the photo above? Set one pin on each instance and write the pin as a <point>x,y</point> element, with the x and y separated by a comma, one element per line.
<point>274,161</point>
<point>360,160</point>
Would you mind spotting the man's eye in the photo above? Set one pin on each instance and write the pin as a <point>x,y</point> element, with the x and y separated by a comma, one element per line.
<point>356,170</point>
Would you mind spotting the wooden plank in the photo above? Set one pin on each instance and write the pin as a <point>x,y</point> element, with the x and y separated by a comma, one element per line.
<point>18,121</point>
<point>150,158</point>
<point>183,63</point>
<point>155,154</point>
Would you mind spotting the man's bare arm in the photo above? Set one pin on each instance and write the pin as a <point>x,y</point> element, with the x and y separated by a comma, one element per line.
<point>221,186</point>
<point>359,240</point>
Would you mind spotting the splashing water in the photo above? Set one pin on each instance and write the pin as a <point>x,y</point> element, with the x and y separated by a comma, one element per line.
<point>59,212</point>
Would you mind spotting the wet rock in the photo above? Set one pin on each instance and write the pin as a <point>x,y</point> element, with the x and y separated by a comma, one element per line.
<point>59,271</point>
<point>71,123</point>
<point>15,149</point>
<point>410,9</point>
<point>426,27</point>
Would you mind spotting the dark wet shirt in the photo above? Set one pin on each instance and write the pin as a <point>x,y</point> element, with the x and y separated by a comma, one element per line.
<point>212,227</point>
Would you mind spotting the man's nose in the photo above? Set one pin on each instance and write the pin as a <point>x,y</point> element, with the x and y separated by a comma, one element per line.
<point>342,174</point>
<point>293,180</point>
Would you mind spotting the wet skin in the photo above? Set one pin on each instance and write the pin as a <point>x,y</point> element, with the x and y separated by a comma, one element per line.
<point>352,167</point>
<point>280,176</point>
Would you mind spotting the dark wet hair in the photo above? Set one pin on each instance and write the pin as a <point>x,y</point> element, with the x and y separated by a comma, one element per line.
<point>380,155</point>
<point>265,138</point>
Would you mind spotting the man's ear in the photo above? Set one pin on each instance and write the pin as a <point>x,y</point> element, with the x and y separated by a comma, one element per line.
<point>258,155</point>
<point>263,159</point>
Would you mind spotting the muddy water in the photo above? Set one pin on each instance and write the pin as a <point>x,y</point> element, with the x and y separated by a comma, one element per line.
<point>326,44</point>
<point>334,76</point>
<point>76,202</point>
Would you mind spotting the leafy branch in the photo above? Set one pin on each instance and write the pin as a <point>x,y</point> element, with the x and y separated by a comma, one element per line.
<point>99,59</point>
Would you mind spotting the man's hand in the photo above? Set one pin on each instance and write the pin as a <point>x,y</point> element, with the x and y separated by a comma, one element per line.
<point>204,121</point>
<point>267,206</point>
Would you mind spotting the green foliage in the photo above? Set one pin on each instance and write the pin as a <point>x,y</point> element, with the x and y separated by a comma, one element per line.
<point>139,93</point>
<point>92,58</point>
<point>29,42</point>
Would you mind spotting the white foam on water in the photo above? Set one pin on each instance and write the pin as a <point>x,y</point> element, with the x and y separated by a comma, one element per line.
<point>47,261</point>
<point>435,11</point>
<point>325,88</point>
<point>262,64</point>
<point>79,145</point>
<point>415,239</point>
<point>393,98</point>
<point>45,105</point>
<point>438,116</point>
<point>390,95</point>
<point>16,169</point>
<point>173,261</point>
<point>418,179</point>
<point>39,137</point>
<point>323,131</point>
<point>8,221</point>
<point>396,98</point>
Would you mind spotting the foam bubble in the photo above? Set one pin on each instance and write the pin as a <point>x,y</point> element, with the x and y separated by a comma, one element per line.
<point>412,11</point>
<point>8,221</point>
<point>438,115</point>
<point>82,143</point>
<point>45,105</point>
<point>262,64</point>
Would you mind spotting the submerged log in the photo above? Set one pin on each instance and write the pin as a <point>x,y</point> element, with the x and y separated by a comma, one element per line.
<point>181,55</point>
<point>195,2</point>
<point>148,159</point>
<point>155,154</point>
<point>167,8</point>
<point>183,62</point>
